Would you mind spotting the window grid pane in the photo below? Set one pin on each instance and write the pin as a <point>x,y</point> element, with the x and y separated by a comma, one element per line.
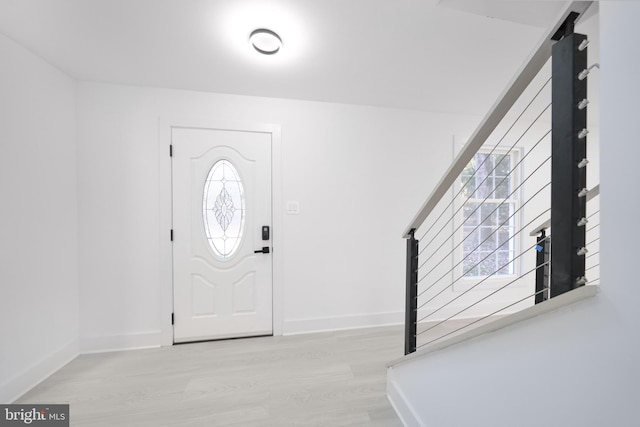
<point>488,233</point>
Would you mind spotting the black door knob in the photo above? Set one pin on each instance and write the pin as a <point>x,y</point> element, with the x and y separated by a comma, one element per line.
<point>264,250</point>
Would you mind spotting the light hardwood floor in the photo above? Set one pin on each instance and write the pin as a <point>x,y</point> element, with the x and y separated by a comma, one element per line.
<point>321,379</point>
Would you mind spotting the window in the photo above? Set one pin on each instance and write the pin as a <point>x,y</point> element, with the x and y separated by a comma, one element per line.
<point>489,215</point>
<point>223,206</point>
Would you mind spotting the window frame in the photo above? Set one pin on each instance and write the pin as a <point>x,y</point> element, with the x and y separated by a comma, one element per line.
<point>464,283</point>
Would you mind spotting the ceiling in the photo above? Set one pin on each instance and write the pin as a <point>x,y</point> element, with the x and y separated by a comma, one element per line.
<point>448,55</point>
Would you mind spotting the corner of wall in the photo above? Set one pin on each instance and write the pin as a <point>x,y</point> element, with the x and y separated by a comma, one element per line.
<point>15,387</point>
<point>400,403</point>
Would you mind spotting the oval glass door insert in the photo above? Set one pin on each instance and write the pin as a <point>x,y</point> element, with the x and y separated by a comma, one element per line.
<point>223,206</point>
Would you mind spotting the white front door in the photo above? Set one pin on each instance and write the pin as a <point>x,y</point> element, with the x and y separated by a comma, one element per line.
<point>221,206</point>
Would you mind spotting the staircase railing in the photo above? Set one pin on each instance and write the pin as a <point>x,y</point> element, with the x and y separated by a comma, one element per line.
<point>472,263</point>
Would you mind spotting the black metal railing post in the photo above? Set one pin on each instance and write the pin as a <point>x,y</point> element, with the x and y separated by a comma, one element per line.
<point>568,164</point>
<point>411,309</point>
<point>542,267</point>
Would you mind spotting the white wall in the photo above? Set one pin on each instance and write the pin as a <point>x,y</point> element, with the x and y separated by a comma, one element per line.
<point>580,364</point>
<point>38,248</point>
<point>358,172</point>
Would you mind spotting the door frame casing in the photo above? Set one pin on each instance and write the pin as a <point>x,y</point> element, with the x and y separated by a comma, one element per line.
<point>165,125</point>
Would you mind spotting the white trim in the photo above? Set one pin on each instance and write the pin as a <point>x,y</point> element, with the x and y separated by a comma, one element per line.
<point>337,323</point>
<point>563,300</point>
<point>166,221</point>
<point>277,229</point>
<point>133,341</point>
<point>400,403</point>
<point>22,382</point>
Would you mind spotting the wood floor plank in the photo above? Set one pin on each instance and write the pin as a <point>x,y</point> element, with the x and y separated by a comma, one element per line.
<point>323,379</point>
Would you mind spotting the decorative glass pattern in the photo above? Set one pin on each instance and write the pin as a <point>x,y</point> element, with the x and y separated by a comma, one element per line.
<point>223,208</point>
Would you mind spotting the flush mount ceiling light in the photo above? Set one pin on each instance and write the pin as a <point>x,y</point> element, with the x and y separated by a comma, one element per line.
<point>265,41</point>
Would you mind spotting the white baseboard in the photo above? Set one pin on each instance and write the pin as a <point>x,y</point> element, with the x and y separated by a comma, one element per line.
<point>302,326</point>
<point>400,404</point>
<point>31,376</point>
<point>134,341</point>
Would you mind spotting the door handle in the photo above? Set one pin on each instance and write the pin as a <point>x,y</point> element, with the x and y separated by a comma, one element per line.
<point>264,250</point>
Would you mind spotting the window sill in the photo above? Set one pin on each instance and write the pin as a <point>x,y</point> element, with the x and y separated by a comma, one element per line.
<point>572,297</point>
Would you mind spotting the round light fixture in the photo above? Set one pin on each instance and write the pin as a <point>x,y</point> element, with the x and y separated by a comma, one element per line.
<point>265,41</point>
